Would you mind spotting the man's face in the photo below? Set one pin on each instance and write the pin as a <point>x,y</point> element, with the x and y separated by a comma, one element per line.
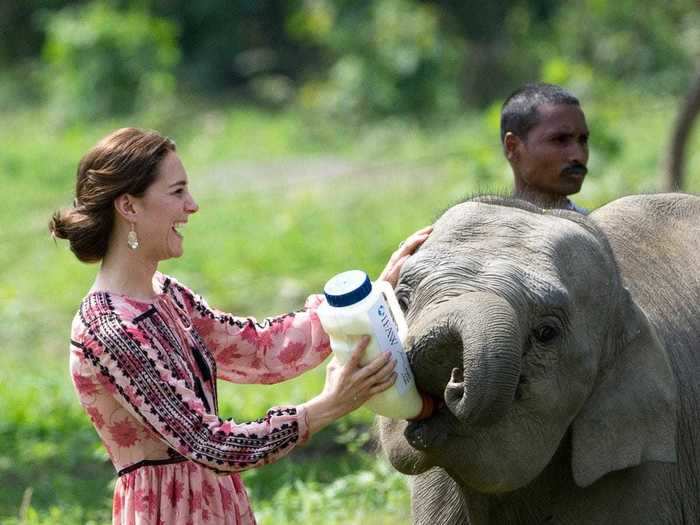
<point>552,158</point>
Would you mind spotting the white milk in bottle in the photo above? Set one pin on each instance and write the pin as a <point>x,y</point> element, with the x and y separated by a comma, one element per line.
<point>355,307</point>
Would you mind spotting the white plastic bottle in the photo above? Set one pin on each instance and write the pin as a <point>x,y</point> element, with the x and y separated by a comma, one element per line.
<point>355,307</point>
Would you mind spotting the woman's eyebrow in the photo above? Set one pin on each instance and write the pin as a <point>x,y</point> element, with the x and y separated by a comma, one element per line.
<point>178,183</point>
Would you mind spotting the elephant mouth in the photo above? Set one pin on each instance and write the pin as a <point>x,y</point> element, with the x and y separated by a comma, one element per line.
<point>435,431</point>
<point>414,447</point>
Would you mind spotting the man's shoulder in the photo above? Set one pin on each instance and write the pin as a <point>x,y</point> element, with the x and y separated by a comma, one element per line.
<point>571,205</point>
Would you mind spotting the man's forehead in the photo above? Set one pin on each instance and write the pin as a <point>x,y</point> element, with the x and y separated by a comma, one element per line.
<point>563,116</point>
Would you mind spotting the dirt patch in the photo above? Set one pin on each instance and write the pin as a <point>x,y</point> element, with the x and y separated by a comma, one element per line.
<point>280,174</point>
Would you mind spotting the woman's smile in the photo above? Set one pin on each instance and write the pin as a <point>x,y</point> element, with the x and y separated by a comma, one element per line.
<point>177,227</point>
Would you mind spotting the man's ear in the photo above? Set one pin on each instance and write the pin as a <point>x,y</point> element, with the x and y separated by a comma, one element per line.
<point>124,206</point>
<point>511,144</point>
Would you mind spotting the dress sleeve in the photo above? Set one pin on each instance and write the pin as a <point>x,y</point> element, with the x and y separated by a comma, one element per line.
<point>248,351</point>
<point>146,386</point>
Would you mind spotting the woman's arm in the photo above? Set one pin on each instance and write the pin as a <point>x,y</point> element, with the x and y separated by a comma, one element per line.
<point>261,352</point>
<point>278,348</point>
<point>144,384</point>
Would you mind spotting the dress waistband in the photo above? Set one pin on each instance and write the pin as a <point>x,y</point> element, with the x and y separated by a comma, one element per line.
<point>149,463</point>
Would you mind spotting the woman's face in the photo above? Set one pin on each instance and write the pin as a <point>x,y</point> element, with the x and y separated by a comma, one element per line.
<point>165,207</point>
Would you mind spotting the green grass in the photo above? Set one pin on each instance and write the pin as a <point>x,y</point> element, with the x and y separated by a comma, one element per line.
<point>286,201</point>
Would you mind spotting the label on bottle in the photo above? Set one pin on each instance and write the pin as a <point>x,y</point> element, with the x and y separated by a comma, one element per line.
<point>386,335</point>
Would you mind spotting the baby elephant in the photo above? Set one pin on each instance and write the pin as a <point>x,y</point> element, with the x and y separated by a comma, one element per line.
<point>566,352</point>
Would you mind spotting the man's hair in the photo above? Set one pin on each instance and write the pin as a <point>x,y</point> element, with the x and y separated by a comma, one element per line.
<point>519,112</point>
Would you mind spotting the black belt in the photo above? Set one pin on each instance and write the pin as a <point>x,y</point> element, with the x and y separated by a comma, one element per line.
<point>150,462</point>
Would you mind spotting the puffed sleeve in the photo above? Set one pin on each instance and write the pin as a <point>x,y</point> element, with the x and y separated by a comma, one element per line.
<point>146,386</point>
<point>248,351</point>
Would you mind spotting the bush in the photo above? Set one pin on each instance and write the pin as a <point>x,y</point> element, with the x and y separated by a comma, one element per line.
<point>390,58</point>
<point>656,45</point>
<point>102,61</point>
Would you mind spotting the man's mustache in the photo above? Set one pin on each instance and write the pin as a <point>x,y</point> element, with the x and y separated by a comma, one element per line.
<point>575,169</point>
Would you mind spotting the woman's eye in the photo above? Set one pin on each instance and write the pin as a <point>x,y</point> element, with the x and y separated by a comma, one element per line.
<point>545,333</point>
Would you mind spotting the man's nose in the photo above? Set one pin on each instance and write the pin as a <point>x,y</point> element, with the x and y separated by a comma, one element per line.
<point>578,152</point>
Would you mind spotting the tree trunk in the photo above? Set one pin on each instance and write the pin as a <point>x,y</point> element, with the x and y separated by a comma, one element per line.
<point>675,161</point>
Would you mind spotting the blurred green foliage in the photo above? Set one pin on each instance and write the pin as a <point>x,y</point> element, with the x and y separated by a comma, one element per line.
<point>632,41</point>
<point>392,58</point>
<point>352,60</point>
<point>383,114</point>
<point>101,62</point>
<point>237,44</point>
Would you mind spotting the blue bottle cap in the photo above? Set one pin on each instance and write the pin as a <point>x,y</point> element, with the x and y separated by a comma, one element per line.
<point>347,288</point>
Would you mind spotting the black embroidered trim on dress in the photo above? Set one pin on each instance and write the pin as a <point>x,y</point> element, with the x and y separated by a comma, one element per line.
<point>159,404</point>
<point>150,462</point>
<point>223,318</point>
<point>201,363</point>
<point>144,315</point>
<point>94,306</point>
<point>240,450</point>
<point>199,392</point>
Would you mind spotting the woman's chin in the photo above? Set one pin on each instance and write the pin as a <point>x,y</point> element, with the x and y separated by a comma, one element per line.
<point>176,249</point>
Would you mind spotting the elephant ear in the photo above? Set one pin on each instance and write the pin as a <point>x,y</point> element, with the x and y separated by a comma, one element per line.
<point>631,414</point>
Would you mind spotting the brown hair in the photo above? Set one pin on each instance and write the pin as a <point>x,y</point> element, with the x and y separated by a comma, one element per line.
<point>125,161</point>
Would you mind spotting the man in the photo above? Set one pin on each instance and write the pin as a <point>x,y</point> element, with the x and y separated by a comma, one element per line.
<point>545,139</point>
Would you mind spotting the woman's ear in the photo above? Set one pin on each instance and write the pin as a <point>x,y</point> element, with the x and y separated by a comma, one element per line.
<point>125,207</point>
<point>630,417</point>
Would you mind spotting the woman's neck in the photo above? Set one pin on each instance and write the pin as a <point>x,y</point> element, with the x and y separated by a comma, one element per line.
<point>126,272</point>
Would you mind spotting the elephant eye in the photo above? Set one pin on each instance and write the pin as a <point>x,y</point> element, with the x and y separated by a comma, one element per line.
<point>545,333</point>
<point>402,299</point>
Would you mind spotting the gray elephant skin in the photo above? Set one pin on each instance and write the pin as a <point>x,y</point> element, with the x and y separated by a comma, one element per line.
<point>565,352</point>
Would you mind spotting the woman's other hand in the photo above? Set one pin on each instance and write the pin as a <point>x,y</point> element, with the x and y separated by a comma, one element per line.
<point>406,248</point>
<point>349,386</point>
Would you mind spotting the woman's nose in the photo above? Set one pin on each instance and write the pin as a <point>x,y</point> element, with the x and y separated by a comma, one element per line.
<point>191,206</point>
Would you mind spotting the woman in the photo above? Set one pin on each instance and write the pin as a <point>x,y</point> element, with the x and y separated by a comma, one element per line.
<point>146,351</point>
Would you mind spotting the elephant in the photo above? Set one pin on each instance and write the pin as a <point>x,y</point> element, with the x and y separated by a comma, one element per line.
<point>563,353</point>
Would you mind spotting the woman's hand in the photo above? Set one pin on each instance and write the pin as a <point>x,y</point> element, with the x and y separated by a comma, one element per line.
<point>406,248</point>
<point>349,386</point>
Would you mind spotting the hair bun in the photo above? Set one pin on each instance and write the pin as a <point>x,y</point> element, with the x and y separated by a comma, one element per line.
<point>58,225</point>
<point>83,230</point>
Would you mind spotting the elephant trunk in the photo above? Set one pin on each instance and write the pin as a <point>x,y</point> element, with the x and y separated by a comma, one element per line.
<point>483,379</point>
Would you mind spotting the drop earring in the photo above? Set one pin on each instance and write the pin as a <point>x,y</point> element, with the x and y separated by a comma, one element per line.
<point>131,239</point>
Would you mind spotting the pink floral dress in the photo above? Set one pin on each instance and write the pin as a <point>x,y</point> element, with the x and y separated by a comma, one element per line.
<point>146,375</point>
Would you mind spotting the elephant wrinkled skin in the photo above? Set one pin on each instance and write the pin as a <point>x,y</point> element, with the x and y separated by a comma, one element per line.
<point>566,352</point>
